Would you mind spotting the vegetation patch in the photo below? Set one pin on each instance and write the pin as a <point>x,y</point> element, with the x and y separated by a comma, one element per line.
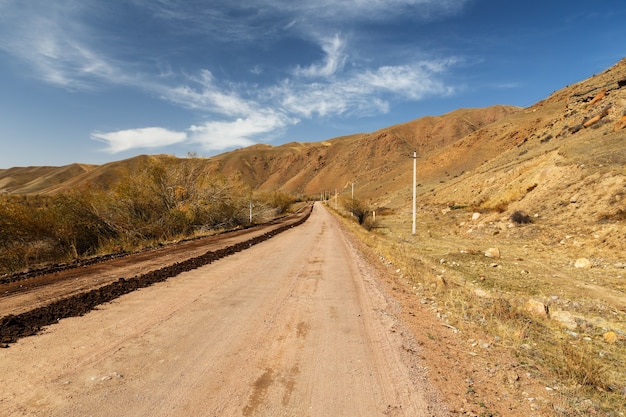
<point>520,217</point>
<point>157,204</point>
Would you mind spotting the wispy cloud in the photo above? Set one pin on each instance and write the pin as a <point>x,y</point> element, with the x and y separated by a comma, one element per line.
<point>62,49</point>
<point>229,22</point>
<point>343,11</point>
<point>367,92</point>
<point>202,92</point>
<point>220,135</point>
<point>54,43</point>
<point>148,137</point>
<point>242,121</point>
<point>412,82</point>
<point>334,60</point>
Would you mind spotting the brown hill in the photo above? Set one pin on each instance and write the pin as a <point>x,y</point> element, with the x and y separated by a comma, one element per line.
<point>34,180</point>
<point>373,161</point>
<point>564,156</point>
<point>107,175</point>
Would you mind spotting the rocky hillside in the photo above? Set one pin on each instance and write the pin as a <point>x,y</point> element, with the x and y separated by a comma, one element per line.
<point>561,161</point>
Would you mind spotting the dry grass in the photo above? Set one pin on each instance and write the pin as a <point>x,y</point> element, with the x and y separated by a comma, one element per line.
<point>476,292</point>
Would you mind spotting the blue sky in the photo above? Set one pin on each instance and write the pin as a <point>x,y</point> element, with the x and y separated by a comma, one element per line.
<point>94,81</point>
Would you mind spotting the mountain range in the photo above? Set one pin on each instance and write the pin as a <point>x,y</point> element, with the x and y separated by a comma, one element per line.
<point>568,147</point>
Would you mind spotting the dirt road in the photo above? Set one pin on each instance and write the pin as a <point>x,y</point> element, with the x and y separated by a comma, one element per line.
<point>24,292</point>
<point>295,326</point>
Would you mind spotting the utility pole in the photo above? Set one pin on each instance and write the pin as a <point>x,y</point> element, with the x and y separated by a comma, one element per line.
<point>414,188</point>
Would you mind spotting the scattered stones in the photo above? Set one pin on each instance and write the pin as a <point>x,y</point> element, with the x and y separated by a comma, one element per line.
<point>564,318</point>
<point>492,253</point>
<point>620,124</point>
<point>479,292</point>
<point>610,337</point>
<point>475,216</point>
<point>574,199</point>
<point>582,263</point>
<point>537,308</point>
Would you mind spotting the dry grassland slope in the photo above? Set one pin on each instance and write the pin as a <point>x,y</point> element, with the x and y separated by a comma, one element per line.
<point>562,160</point>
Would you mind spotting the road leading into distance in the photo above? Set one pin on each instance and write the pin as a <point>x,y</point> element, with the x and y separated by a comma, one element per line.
<point>294,326</point>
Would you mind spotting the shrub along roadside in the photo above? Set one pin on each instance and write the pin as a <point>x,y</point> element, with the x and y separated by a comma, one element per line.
<point>157,204</point>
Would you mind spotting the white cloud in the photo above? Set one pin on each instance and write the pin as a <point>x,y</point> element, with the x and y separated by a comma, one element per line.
<point>334,59</point>
<point>409,81</point>
<point>212,136</point>
<point>220,135</point>
<point>54,42</point>
<point>148,137</point>
<point>364,93</point>
<point>208,97</point>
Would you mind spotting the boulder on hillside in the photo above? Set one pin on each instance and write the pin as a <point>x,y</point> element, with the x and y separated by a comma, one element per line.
<point>492,253</point>
<point>537,308</point>
<point>582,263</point>
<point>564,318</point>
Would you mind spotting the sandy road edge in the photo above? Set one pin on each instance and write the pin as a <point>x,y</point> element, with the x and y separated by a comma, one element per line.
<point>469,373</point>
<point>383,283</point>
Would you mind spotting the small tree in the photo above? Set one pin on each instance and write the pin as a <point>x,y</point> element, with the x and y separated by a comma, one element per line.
<point>359,210</point>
